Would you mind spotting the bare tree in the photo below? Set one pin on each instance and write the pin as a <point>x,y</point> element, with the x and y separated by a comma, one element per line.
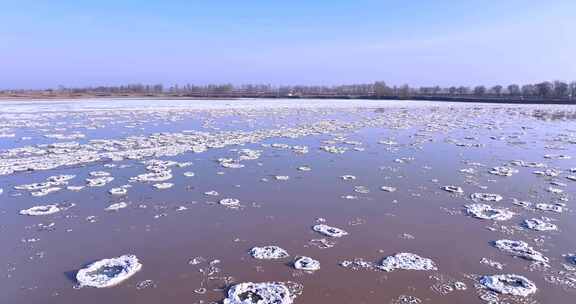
<point>479,90</point>
<point>514,90</point>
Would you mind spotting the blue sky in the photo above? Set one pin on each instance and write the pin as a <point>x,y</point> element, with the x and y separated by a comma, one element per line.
<point>77,43</point>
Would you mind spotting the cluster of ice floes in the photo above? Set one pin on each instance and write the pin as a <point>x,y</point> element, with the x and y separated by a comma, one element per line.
<point>108,272</point>
<point>329,230</point>
<point>520,249</point>
<point>46,209</point>
<point>487,212</point>
<point>52,184</point>
<point>268,253</point>
<point>509,284</point>
<point>263,293</point>
<point>45,157</point>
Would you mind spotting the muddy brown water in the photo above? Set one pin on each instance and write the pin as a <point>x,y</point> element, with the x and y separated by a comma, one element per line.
<point>39,266</point>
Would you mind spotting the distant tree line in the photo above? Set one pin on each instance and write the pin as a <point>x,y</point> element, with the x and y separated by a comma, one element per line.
<point>547,90</point>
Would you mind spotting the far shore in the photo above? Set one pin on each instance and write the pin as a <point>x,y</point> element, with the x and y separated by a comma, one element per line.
<point>471,99</point>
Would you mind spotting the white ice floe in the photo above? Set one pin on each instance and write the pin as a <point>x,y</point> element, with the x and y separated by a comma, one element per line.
<point>549,207</point>
<point>189,174</point>
<point>116,206</point>
<point>487,197</point>
<point>388,189</point>
<point>229,202</point>
<point>509,284</point>
<point>329,231</point>
<point>487,212</point>
<point>540,225</point>
<point>453,189</point>
<point>99,181</point>
<point>406,261</point>
<point>268,253</point>
<point>46,209</point>
<point>348,177</point>
<point>162,186</point>
<point>108,272</point>
<point>520,249</point>
<point>282,177</point>
<point>260,293</point>
<point>503,171</point>
<point>306,263</point>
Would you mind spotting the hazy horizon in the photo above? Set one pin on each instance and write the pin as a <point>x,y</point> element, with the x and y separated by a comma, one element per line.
<point>46,44</point>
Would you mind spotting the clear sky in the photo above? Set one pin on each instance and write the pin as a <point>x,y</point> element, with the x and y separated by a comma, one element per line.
<point>106,42</point>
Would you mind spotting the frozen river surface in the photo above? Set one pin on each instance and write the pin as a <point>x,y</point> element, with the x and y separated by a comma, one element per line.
<point>313,201</point>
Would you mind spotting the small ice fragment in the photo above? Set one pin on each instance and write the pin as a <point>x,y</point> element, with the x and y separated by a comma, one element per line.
<point>306,263</point>
<point>329,231</point>
<point>116,206</point>
<point>229,202</point>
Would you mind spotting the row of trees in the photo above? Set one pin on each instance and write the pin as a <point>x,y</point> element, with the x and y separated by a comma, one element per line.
<point>379,89</point>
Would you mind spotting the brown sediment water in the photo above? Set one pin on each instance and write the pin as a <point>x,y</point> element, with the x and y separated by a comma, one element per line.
<point>194,238</point>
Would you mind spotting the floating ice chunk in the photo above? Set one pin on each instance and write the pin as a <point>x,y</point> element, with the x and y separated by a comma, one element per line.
<point>229,202</point>
<point>260,293</point>
<point>45,209</point>
<point>468,170</point>
<point>503,171</point>
<point>549,207</point>
<point>554,190</point>
<point>520,249</point>
<point>99,181</point>
<point>492,263</point>
<point>162,186</point>
<point>348,177</point>
<point>487,197</point>
<point>189,174</point>
<point>407,261</point>
<point>75,188</point>
<point>329,231</point>
<point>45,191</point>
<point>99,173</point>
<point>116,206</point>
<point>108,272</point>
<point>304,168</point>
<point>334,149</point>
<point>511,284</point>
<point>540,225</point>
<point>119,190</point>
<point>548,172</point>
<point>361,189</point>
<point>571,177</point>
<point>453,189</point>
<point>268,253</point>
<point>282,177</point>
<point>487,212</point>
<point>388,189</point>
<point>211,193</point>
<point>306,263</point>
